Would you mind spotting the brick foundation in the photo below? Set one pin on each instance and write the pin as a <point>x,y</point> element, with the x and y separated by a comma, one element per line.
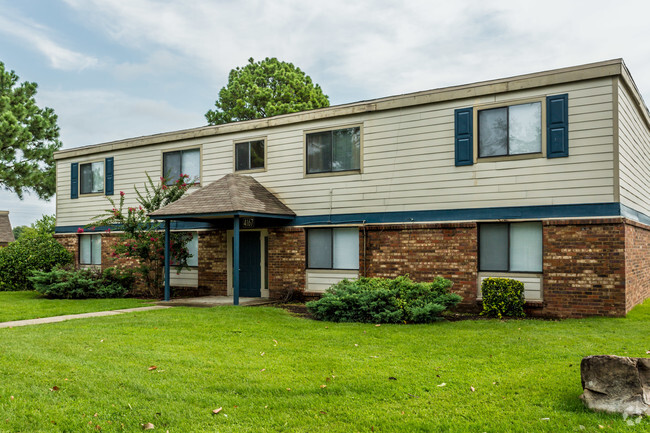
<point>591,267</point>
<point>637,264</point>
<point>286,261</point>
<point>213,254</point>
<point>424,251</point>
<point>584,268</point>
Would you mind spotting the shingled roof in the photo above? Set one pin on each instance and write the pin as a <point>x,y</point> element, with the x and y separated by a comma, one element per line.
<point>232,194</point>
<point>6,235</point>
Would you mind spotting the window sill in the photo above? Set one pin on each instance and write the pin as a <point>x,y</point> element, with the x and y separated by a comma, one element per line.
<point>511,157</point>
<point>92,194</point>
<point>329,270</point>
<point>251,170</point>
<point>333,173</point>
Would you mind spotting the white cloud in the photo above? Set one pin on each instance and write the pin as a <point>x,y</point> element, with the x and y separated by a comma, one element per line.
<point>95,116</point>
<point>39,38</point>
<point>368,49</point>
<point>27,211</point>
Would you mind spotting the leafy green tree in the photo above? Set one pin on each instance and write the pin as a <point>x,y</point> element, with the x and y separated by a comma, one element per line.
<point>141,237</point>
<point>44,226</point>
<point>19,230</point>
<point>266,88</point>
<point>29,136</point>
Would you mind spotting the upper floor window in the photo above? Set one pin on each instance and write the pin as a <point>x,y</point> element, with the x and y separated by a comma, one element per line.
<point>249,155</point>
<point>333,248</point>
<point>512,130</point>
<point>510,247</point>
<point>334,151</point>
<point>91,177</point>
<point>90,249</point>
<point>180,162</point>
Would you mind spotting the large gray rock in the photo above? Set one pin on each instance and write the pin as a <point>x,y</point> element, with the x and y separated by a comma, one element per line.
<point>616,384</point>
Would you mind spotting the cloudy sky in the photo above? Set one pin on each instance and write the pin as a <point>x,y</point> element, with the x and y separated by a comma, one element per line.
<point>115,69</point>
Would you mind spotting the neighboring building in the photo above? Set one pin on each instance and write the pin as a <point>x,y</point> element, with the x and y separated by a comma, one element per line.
<point>542,177</point>
<point>6,233</point>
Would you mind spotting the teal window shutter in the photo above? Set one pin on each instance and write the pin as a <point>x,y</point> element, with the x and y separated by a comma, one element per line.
<point>557,126</point>
<point>74,180</point>
<point>464,141</point>
<point>108,168</point>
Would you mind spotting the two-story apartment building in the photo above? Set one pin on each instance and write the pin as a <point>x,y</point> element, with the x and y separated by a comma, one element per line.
<point>542,177</point>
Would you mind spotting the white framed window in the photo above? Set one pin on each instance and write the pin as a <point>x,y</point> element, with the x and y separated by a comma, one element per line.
<point>193,248</point>
<point>90,249</point>
<point>336,150</point>
<point>333,248</point>
<point>510,247</point>
<point>179,162</point>
<point>249,155</point>
<point>91,177</point>
<point>510,130</point>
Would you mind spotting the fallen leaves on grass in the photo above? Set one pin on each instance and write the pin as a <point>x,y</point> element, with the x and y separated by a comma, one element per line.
<point>472,388</point>
<point>148,426</point>
<point>153,367</point>
<point>216,411</point>
<point>54,388</point>
<point>323,386</point>
<point>442,384</point>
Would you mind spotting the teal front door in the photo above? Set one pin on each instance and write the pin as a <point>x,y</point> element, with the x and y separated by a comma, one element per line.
<point>250,272</point>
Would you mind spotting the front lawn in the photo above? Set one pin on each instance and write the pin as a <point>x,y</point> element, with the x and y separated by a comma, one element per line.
<point>270,371</point>
<point>31,305</point>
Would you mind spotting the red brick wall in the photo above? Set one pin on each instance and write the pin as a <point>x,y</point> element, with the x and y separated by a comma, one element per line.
<point>286,261</point>
<point>213,254</point>
<point>637,264</point>
<point>584,268</point>
<point>424,251</point>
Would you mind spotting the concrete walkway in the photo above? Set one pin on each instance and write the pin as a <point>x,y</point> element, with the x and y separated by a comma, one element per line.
<point>214,301</point>
<point>77,316</point>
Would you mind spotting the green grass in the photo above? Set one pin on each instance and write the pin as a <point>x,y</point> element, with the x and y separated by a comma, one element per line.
<point>30,305</point>
<point>526,374</point>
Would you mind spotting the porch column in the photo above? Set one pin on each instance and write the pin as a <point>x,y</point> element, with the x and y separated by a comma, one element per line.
<point>235,261</point>
<point>167,259</point>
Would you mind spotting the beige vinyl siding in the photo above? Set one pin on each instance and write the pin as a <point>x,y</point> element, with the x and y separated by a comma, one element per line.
<point>318,280</point>
<point>408,162</point>
<point>187,278</point>
<point>634,154</point>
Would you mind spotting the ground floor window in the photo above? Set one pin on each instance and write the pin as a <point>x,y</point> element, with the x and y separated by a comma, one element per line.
<point>333,248</point>
<point>510,247</point>
<point>192,246</point>
<point>90,249</point>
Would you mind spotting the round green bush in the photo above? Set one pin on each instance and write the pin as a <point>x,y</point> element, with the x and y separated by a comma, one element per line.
<point>384,300</point>
<point>503,297</point>
<point>40,252</point>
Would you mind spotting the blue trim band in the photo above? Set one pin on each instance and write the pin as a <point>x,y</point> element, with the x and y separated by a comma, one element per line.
<point>515,212</point>
<point>478,214</point>
<point>630,213</point>
<point>175,225</point>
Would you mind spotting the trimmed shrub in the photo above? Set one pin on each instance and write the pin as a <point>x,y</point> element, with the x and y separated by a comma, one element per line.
<point>503,297</point>
<point>37,252</point>
<point>383,300</point>
<point>83,283</point>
